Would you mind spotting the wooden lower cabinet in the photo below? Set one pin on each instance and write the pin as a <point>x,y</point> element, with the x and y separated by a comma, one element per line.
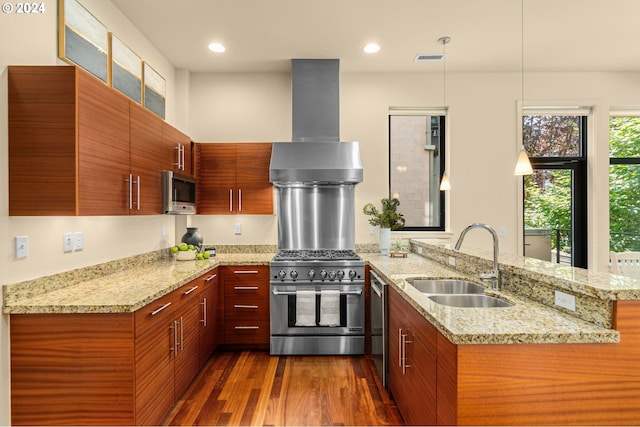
<point>412,362</point>
<point>513,384</point>
<point>110,369</point>
<point>208,300</point>
<point>246,305</point>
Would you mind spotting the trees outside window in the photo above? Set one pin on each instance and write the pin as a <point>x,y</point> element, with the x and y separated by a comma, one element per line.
<point>624,183</point>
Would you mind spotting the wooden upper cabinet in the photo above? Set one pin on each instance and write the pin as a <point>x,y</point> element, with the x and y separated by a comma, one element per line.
<point>68,143</point>
<point>79,147</point>
<point>177,150</point>
<point>233,178</point>
<point>103,149</point>
<point>147,161</point>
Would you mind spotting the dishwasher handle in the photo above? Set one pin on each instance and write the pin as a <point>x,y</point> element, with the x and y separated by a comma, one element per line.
<point>377,284</point>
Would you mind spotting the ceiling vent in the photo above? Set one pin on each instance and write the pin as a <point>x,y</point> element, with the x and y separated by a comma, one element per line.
<point>429,57</point>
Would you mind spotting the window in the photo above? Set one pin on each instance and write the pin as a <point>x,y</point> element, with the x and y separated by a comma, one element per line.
<point>416,164</point>
<point>555,196</point>
<point>624,183</point>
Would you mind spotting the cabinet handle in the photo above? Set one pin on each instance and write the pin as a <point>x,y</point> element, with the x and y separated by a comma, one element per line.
<point>153,313</point>
<point>210,278</point>
<point>405,365</point>
<point>247,327</point>
<point>183,163</point>
<point>245,272</point>
<point>204,312</point>
<point>400,347</point>
<point>230,200</point>
<point>179,156</point>
<point>175,338</point>
<point>239,200</point>
<point>245,288</point>
<point>190,290</point>
<point>130,181</point>
<point>138,201</point>
<point>245,306</point>
<point>181,333</point>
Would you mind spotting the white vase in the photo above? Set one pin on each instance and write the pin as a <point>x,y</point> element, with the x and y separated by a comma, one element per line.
<point>385,241</point>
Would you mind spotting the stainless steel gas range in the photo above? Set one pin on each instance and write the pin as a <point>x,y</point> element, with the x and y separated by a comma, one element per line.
<point>317,302</point>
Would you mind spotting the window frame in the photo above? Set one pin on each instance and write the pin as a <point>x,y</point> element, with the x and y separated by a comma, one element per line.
<point>625,161</point>
<point>579,182</point>
<point>442,114</point>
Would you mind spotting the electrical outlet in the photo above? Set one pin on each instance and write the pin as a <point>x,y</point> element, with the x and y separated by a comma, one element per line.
<point>566,301</point>
<point>163,231</point>
<point>22,246</point>
<point>373,229</point>
<point>238,229</point>
<point>420,250</point>
<point>503,231</point>
<point>452,261</point>
<point>78,243</point>
<point>67,242</point>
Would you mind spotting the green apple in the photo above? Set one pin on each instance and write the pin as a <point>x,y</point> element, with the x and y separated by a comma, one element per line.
<point>206,255</point>
<point>183,246</point>
<point>191,247</point>
<point>199,256</point>
<point>174,249</point>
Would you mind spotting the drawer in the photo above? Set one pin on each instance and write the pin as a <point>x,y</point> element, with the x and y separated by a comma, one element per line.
<point>246,332</point>
<point>249,275</point>
<point>249,309</point>
<point>159,311</point>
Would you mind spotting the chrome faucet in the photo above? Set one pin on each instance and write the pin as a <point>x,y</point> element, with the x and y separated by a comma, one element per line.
<point>494,276</point>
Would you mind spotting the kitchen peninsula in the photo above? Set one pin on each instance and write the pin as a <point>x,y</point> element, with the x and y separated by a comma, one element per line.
<point>532,363</point>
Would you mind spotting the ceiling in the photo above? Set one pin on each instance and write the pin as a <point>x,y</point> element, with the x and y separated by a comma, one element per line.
<point>487,35</point>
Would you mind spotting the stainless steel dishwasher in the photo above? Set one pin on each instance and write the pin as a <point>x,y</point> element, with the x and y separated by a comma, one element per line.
<point>379,325</point>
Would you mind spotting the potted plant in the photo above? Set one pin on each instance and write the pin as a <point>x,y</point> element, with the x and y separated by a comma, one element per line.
<point>387,219</point>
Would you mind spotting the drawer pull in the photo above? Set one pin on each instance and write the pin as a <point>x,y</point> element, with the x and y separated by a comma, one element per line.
<point>245,272</point>
<point>245,288</point>
<point>153,313</point>
<point>210,278</point>
<point>245,306</point>
<point>190,290</point>
<point>247,327</point>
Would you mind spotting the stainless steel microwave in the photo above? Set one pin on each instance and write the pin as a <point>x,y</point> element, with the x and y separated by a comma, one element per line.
<point>178,193</point>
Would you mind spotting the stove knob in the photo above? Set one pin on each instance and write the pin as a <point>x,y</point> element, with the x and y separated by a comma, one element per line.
<point>311,274</point>
<point>332,275</point>
<point>340,275</point>
<point>282,274</point>
<point>293,274</point>
<point>352,274</point>
<point>323,274</point>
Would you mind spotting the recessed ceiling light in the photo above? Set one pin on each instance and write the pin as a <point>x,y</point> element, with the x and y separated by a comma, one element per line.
<point>371,48</point>
<point>216,47</point>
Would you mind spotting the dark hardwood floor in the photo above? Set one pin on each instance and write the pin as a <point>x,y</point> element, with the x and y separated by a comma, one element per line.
<point>254,388</point>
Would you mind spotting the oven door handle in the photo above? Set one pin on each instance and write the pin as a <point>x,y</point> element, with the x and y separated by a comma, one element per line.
<point>354,292</point>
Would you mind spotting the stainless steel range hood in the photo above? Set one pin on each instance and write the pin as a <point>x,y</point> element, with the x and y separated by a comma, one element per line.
<point>316,154</point>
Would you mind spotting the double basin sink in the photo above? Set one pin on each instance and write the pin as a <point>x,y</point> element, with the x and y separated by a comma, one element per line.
<point>456,293</point>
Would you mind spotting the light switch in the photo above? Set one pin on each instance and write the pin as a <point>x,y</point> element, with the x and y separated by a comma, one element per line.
<point>238,229</point>
<point>22,246</point>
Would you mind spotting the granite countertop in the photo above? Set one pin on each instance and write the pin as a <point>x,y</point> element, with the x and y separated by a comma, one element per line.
<point>525,322</point>
<point>134,284</point>
<point>122,291</point>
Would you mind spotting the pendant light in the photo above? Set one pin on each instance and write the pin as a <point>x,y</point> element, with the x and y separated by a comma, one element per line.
<point>445,184</point>
<point>523,165</point>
